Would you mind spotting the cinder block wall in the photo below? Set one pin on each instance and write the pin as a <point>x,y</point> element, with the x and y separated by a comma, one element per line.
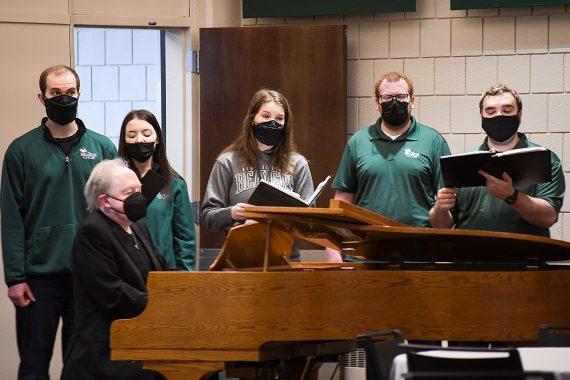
<point>119,71</point>
<point>452,57</point>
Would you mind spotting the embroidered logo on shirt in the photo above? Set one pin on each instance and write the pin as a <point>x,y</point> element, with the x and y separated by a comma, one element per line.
<point>161,195</point>
<point>87,155</point>
<point>410,153</point>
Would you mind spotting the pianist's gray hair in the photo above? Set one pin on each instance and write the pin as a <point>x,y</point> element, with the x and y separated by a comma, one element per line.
<point>499,89</point>
<point>99,181</point>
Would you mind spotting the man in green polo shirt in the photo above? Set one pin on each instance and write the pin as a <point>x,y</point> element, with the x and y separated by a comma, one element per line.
<point>500,206</point>
<point>392,167</point>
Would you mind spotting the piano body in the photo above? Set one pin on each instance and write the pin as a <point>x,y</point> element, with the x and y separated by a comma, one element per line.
<point>432,284</point>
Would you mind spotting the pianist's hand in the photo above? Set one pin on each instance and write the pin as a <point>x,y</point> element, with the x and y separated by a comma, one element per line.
<point>238,211</point>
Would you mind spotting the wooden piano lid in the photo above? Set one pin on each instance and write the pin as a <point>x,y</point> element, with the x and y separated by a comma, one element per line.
<point>369,236</point>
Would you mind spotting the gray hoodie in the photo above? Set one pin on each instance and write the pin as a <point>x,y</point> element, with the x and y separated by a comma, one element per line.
<point>232,181</point>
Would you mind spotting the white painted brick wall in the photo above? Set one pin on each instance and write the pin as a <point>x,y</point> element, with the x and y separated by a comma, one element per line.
<point>422,72</point>
<point>132,82</point>
<point>373,40</point>
<point>91,51</point>
<point>352,41</point>
<point>92,114</point>
<point>465,116</point>
<point>119,72</point>
<point>547,73</point>
<point>450,76</point>
<point>352,115</point>
<point>558,113</point>
<point>456,143</point>
<point>515,71</point>
<point>466,36</point>
<point>404,39</point>
<point>435,38</point>
<point>114,114</point>
<point>361,72</point>
<point>145,46</point>
<point>436,113</point>
<point>567,72</point>
<point>382,66</point>
<point>105,83</point>
<point>84,73</point>
<point>534,113</point>
<point>480,71</point>
<point>119,46</point>
<point>532,34</point>
<point>559,33</point>
<point>367,112</point>
<point>499,35</point>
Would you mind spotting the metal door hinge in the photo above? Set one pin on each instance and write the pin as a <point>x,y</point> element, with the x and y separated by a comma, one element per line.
<point>193,61</point>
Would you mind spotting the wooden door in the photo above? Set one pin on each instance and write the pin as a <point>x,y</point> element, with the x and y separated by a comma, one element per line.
<point>306,63</point>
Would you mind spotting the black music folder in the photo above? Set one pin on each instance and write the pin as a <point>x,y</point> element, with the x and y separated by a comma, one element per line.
<point>151,184</point>
<point>268,194</point>
<point>526,166</point>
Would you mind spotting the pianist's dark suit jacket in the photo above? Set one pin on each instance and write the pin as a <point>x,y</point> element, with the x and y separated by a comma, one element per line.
<point>108,285</point>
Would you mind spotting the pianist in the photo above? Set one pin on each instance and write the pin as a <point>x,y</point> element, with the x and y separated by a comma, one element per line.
<point>111,256</point>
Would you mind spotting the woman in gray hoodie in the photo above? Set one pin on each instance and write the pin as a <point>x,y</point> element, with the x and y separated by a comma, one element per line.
<point>265,150</point>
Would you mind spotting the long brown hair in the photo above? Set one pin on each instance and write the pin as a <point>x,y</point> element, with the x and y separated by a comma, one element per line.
<point>159,156</point>
<point>246,143</point>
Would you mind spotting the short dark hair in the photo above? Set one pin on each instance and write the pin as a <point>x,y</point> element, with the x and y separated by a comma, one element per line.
<point>57,69</point>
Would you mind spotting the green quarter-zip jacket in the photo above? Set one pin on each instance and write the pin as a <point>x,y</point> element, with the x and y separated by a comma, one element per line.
<point>42,201</point>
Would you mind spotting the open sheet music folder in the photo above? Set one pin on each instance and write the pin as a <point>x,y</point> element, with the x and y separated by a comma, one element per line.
<point>268,194</point>
<point>526,166</point>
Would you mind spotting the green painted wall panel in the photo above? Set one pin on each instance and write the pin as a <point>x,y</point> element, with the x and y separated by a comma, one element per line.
<point>479,4</point>
<point>290,8</point>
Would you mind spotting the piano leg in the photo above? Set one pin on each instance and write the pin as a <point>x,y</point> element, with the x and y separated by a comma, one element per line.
<point>185,370</point>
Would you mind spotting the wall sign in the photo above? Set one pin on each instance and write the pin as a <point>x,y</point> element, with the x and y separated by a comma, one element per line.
<point>290,8</point>
<point>479,4</point>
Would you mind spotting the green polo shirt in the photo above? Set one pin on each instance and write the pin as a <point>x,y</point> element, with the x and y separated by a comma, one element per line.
<point>396,178</point>
<point>477,210</point>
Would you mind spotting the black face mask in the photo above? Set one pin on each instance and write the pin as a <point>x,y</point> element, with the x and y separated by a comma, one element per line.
<point>268,133</point>
<point>134,206</point>
<point>500,128</point>
<point>61,109</point>
<point>395,113</point>
<point>141,152</point>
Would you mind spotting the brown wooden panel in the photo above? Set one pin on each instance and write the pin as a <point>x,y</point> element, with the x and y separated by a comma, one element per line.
<point>306,63</point>
<point>254,308</point>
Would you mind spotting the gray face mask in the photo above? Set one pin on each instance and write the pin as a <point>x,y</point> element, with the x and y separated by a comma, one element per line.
<point>134,206</point>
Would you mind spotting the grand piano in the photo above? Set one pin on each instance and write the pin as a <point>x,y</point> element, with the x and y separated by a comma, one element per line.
<point>432,284</point>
